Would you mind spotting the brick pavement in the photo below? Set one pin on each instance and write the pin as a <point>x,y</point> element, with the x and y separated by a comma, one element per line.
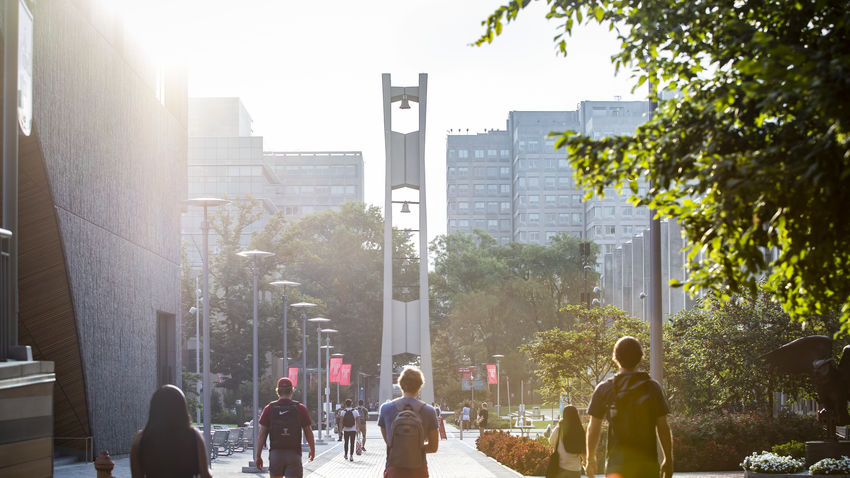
<point>455,459</point>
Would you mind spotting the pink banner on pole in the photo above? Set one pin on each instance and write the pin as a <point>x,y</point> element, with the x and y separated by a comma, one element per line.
<point>492,379</point>
<point>345,375</point>
<point>336,363</point>
<point>293,375</point>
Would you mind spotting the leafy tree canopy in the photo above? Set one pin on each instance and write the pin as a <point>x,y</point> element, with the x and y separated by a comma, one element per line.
<point>753,155</point>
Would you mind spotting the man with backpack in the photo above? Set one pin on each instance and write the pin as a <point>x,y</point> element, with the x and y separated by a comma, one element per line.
<point>361,427</point>
<point>409,428</point>
<point>636,412</point>
<point>282,422</point>
<point>348,425</point>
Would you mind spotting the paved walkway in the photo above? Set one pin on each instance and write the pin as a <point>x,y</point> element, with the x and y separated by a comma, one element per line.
<point>455,459</point>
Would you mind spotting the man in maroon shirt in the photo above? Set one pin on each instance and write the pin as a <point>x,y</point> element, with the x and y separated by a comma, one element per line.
<point>283,421</point>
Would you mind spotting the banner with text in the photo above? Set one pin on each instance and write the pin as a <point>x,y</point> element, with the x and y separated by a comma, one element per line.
<point>345,375</point>
<point>293,375</point>
<point>492,379</point>
<point>336,363</point>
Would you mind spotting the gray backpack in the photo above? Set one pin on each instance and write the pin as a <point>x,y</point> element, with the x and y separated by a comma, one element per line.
<point>407,437</point>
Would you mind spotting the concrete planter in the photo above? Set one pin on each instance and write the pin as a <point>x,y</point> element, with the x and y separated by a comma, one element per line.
<point>750,474</point>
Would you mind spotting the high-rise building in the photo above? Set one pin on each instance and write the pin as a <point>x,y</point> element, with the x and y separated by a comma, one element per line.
<point>225,161</point>
<point>515,186</point>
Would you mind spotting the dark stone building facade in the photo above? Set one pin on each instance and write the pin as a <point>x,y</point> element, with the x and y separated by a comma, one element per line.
<point>101,182</point>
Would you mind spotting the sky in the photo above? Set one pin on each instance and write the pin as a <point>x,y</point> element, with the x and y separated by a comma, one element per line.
<point>309,72</point>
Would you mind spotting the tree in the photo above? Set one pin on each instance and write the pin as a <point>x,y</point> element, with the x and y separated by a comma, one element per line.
<point>713,354</point>
<point>577,359</point>
<point>754,153</point>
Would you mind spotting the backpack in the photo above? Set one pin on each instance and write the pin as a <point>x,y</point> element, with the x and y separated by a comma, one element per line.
<point>629,414</point>
<point>285,429</point>
<point>348,419</point>
<point>407,436</point>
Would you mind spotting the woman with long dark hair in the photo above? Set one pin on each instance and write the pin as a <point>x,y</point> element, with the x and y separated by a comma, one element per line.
<point>168,446</point>
<point>569,441</point>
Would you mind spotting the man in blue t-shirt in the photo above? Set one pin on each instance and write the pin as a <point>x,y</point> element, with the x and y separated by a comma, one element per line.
<point>410,381</point>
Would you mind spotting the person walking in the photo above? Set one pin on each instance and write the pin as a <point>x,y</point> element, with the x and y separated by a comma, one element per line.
<point>361,426</point>
<point>409,428</point>
<point>636,411</point>
<point>568,440</point>
<point>464,417</point>
<point>483,417</point>
<point>168,445</point>
<point>349,424</point>
<point>283,421</point>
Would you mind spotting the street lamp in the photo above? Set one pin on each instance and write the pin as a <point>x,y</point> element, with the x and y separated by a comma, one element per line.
<point>283,284</point>
<point>302,306</point>
<point>197,311</point>
<point>327,391</point>
<point>596,302</point>
<point>319,321</point>
<point>206,203</point>
<point>643,304</point>
<point>498,358</point>
<point>255,256</point>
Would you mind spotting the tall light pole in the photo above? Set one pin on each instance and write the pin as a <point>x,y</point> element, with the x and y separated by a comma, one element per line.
<point>283,284</point>
<point>327,392</point>
<point>255,256</point>
<point>498,358</point>
<point>319,321</point>
<point>206,203</point>
<point>197,311</point>
<point>303,306</point>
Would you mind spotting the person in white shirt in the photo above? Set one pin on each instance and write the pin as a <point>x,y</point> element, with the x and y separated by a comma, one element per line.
<point>464,417</point>
<point>568,439</point>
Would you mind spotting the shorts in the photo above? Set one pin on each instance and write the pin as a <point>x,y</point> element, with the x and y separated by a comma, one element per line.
<point>285,462</point>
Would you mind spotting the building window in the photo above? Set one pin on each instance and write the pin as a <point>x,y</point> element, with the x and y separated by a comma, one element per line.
<point>479,206</point>
<point>492,172</point>
<point>463,206</point>
<point>577,218</point>
<point>504,172</point>
<point>452,153</point>
<point>462,153</point>
<point>506,206</point>
<point>464,172</point>
<point>533,236</point>
<point>533,182</point>
<point>452,172</point>
<point>505,188</point>
<point>551,200</point>
<point>492,153</point>
<point>551,219</point>
<point>479,153</point>
<point>563,218</point>
<point>492,189</point>
<point>493,206</point>
<point>610,211</point>
<point>505,153</point>
<point>533,218</point>
<point>480,172</point>
<point>479,189</point>
<point>549,182</point>
<point>627,210</point>
<point>610,230</point>
<point>550,235</point>
<point>464,223</point>
<point>493,225</point>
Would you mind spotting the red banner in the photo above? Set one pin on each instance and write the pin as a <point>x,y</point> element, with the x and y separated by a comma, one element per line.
<point>467,375</point>
<point>336,363</point>
<point>293,375</point>
<point>345,375</point>
<point>492,377</point>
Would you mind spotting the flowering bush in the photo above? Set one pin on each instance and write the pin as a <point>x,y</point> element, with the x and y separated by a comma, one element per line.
<point>769,462</point>
<point>794,449</point>
<point>521,454</point>
<point>831,466</point>
<point>719,441</point>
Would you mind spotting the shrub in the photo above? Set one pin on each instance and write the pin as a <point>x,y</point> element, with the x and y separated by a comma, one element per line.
<point>794,449</point>
<point>521,454</point>
<point>718,442</point>
<point>767,462</point>
<point>831,466</point>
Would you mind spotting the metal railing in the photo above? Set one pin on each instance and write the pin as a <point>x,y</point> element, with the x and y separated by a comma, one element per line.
<point>6,295</point>
<point>88,443</point>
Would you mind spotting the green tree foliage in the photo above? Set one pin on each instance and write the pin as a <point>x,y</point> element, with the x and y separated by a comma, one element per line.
<point>753,155</point>
<point>712,354</point>
<point>577,359</point>
<point>490,299</point>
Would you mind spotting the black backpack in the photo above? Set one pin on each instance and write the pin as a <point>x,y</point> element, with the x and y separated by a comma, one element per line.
<point>407,436</point>
<point>285,426</point>
<point>348,419</point>
<point>629,414</point>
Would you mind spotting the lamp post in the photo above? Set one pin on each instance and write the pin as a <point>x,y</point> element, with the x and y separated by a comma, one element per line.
<point>327,391</point>
<point>643,305</point>
<point>206,203</point>
<point>283,284</point>
<point>255,256</point>
<point>319,321</point>
<point>498,358</point>
<point>597,300</point>
<point>197,311</point>
<point>302,306</point>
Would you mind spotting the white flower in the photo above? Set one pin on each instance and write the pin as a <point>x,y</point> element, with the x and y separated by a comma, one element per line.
<point>831,466</point>
<point>767,462</point>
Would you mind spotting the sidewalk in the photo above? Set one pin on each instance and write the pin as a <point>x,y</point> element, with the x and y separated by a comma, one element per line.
<point>455,459</point>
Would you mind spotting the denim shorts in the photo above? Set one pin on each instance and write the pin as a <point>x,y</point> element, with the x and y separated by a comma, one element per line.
<point>285,462</point>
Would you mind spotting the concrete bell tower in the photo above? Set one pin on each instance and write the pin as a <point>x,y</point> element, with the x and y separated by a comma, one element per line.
<point>406,325</point>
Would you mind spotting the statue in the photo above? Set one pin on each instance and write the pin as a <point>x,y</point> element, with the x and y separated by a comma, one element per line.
<point>813,355</point>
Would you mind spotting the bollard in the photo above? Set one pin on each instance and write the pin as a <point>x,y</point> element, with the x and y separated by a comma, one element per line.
<point>104,465</point>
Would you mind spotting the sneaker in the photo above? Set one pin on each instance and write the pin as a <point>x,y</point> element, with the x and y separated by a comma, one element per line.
<point>345,457</point>
<point>351,458</point>
<point>363,449</point>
